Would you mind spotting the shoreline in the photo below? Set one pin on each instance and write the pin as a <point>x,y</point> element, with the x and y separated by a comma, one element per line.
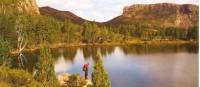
<point>65,45</point>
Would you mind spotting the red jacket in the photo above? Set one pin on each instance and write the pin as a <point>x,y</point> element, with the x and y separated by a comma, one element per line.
<point>85,67</point>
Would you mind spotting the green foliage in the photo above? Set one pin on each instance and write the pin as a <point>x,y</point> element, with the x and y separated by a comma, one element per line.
<point>45,67</point>
<point>4,50</point>
<point>16,77</point>
<point>7,25</point>
<point>192,33</point>
<point>56,32</point>
<point>76,80</point>
<point>146,33</point>
<point>48,27</point>
<point>70,32</point>
<point>100,76</point>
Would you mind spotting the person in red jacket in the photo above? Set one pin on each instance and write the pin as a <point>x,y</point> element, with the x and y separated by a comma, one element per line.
<point>85,69</point>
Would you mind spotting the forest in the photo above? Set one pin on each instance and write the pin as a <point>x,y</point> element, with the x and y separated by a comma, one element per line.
<point>65,33</point>
<point>21,31</point>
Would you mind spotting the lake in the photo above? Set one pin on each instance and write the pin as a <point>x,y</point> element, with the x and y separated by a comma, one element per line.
<point>131,65</point>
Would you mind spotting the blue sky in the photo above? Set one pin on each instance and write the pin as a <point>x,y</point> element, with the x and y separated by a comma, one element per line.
<point>101,10</point>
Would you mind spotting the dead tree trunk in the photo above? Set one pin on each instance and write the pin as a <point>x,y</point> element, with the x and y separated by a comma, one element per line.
<point>21,41</point>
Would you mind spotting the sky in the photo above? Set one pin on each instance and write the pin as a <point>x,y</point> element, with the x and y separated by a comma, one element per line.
<point>101,10</point>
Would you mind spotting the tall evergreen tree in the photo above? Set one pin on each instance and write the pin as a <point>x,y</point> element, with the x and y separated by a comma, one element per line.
<point>45,67</point>
<point>100,77</point>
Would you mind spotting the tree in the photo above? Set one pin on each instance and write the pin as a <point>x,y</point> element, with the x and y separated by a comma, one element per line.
<point>70,32</point>
<point>87,32</point>
<point>100,77</point>
<point>45,67</point>
<point>21,40</point>
<point>192,33</point>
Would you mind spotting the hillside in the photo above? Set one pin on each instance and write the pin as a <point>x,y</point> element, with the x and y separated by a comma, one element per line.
<point>162,14</point>
<point>62,15</point>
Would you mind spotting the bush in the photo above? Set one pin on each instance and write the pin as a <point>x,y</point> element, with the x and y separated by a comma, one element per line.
<point>76,80</point>
<point>16,77</point>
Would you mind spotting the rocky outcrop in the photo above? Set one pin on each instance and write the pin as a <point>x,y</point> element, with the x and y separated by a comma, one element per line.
<point>22,6</point>
<point>159,10</point>
<point>64,78</point>
<point>28,6</point>
<point>170,14</point>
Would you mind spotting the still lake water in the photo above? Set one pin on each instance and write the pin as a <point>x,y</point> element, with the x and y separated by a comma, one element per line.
<point>132,65</point>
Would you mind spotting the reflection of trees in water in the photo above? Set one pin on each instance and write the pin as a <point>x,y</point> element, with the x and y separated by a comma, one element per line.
<point>88,51</point>
<point>107,50</point>
<point>56,53</point>
<point>29,62</point>
<point>91,51</point>
<point>192,48</point>
<point>70,53</point>
<point>159,48</point>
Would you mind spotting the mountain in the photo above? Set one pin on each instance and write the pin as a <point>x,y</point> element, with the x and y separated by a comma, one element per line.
<point>161,14</point>
<point>149,15</point>
<point>22,6</point>
<point>62,15</point>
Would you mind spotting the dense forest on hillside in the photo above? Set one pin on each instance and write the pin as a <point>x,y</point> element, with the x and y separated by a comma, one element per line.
<point>67,32</point>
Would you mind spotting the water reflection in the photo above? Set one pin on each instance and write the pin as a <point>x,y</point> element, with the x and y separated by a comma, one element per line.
<point>157,48</point>
<point>132,65</point>
<point>62,65</point>
<point>74,66</point>
<point>143,65</point>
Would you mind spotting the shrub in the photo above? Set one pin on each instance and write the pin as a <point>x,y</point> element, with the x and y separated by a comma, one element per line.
<point>76,80</point>
<point>16,77</point>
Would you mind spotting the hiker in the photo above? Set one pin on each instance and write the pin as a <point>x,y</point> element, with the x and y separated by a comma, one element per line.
<point>85,69</point>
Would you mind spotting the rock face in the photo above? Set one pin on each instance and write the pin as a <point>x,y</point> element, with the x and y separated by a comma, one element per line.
<point>169,14</point>
<point>29,6</point>
<point>159,10</point>
<point>23,6</point>
<point>62,15</point>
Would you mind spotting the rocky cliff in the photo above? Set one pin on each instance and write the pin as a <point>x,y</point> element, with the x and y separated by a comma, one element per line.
<point>23,6</point>
<point>164,14</point>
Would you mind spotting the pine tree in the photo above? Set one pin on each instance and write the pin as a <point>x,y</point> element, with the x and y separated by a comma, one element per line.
<point>45,67</point>
<point>100,77</point>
